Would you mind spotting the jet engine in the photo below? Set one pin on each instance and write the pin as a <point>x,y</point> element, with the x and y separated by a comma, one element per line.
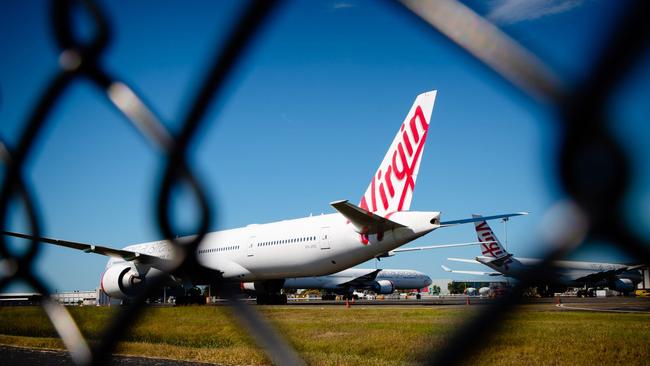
<point>623,285</point>
<point>248,286</point>
<point>383,287</point>
<point>484,291</point>
<point>121,281</point>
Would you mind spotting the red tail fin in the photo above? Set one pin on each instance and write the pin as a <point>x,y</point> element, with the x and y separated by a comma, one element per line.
<point>490,246</point>
<point>391,188</point>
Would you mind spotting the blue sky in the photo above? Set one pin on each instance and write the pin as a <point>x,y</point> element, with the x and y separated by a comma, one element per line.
<point>306,119</point>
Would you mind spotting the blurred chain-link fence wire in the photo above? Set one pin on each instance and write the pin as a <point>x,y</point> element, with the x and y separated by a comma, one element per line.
<point>593,168</point>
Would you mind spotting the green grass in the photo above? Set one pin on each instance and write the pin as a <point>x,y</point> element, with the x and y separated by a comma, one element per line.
<point>536,334</point>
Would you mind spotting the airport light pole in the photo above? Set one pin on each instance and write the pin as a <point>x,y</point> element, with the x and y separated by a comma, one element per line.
<point>505,228</point>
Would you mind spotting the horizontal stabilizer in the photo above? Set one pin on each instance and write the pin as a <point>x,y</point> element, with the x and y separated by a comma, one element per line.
<point>127,255</point>
<point>496,261</point>
<point>364,222</point>
<point>473,261</point>
<point>440,246</point>
<point>478,273</point>
<point>483,218</point>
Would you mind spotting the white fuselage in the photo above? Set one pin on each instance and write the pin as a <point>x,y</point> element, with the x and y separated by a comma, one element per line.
<point>310,246</point>
<point>567,271</point>
<point>400,278</point>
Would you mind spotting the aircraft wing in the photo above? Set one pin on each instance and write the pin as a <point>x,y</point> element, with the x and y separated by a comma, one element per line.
<point>439,246</point>
<point>365,222</point>
<point>360,281</point>
<point>482,218</point>
<point>606,275</point>
<point>479,273</point>
<point>127,255</point>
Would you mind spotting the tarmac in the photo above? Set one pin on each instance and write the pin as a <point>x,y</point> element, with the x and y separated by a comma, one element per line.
<point>567,303</point>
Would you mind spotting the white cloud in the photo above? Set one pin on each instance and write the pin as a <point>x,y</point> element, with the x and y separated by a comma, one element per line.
<point>343,5</point>
<point>513,11</point>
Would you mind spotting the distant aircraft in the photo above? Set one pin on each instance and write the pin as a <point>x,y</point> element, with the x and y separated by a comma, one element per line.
<point>619,277</point>
<point>311,246</point>
<point>380,281</point>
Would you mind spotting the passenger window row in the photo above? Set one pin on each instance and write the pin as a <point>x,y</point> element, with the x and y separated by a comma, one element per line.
<point>287,241</point>
<point>220,249</point>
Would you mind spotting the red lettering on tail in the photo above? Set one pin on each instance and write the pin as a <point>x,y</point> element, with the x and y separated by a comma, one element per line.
<point>389,183</point>
<point>396,177</point>
<point>491,249</point>
<point>400,168</point>
<point>364,204</point>
<point>483,226</point>
<point>489,246</point>
<point>372,196</point>
<point>407,142</point>
<point>382,193</point>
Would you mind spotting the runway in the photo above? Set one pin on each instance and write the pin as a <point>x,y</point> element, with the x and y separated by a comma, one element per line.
<point>611,304</point>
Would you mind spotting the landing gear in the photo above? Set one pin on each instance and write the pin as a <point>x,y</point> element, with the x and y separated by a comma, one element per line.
<point>268,293</point>
<point>586,292</point>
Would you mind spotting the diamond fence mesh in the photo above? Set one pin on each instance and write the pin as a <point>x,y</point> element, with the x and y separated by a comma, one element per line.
<point>594,170</point>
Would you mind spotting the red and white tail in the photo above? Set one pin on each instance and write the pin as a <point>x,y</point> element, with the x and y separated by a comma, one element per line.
<point>391,188</point>
<point>490,244</point>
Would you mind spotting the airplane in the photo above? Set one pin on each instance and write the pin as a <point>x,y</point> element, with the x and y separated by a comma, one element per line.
<point>619,277</point>
<point>380,281</point>
<point>267,254</point>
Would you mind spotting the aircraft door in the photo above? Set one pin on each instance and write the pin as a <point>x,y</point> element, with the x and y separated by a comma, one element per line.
<point>251,245</point>
<point>324,240</point>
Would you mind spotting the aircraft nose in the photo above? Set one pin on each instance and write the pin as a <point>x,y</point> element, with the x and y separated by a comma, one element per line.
<point>427,281</point>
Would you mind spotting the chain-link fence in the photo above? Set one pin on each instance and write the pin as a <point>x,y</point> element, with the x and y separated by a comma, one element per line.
<point>594,209</point>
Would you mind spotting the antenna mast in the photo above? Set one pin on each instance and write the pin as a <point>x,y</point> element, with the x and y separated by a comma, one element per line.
<point>505,228</point>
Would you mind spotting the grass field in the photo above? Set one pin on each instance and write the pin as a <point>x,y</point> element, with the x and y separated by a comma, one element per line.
<point>535,334</point>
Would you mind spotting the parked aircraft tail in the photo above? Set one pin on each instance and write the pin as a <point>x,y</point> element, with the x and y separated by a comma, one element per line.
<point>490,245</point>
<point>391,187</point>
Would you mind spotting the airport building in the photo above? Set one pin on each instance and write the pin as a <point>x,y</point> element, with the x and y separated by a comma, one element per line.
<point>442,283</point>
<point>86,298</point>
<point>68,298</point>
<point>460,287</point>
<point>20,299</point>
